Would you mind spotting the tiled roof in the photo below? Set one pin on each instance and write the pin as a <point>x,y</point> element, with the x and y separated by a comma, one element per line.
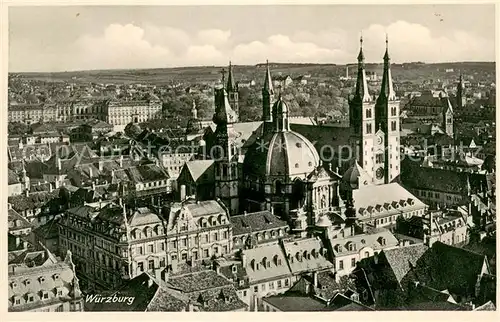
<point>42,279</point>
<point>310,255</point>
<point>143,216</point>
<point>416,177</point>
<point>199,281</point>
<point>22,202</point>
<point>18,221</point>
<point>255,221</point>
<point>452,268</point>
<point>255,262</point>
<point>13,178</point>
<point>377,239</point>
<point>146,173</point>
<point>296,303</point>
<point>204,208</point>
<point>198,167</point>
<point>392,198</point>
<point>488,306</point>
<point>401,260</point>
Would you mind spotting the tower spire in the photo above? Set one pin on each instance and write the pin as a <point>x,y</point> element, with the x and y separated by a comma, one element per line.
<point>231,86</point>
<point>268,83</point>
<point>361,83</point>
<point>387,89</point>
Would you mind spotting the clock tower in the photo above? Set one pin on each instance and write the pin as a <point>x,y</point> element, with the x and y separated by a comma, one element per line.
<point>387,152</point>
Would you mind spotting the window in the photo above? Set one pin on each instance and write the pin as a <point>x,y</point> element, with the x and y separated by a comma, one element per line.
<point>174,257</point>
<point>17,301</point>
<point>286,282</point>
<point>195,255</point>
<point>341,265</point>
<point>162,262</point>
<point>353,262</point>
<point>184,242</point>
<point>45,295</point>
<point>379,158</point>
<point>150,248</point>
<point>205,253</point>
<point>140,267</point>
<point>139,250</point>
<point>368,113</point>
<point>279,284</point>
<point>151,265</point>
<point>368,128</point>
<point>30,299</point>
<point>367,254</point>
<point>162,246</point>
<point>256,288</point>
<point>393,111</point>
<point>244,293</point>
<point>271,285</point>
<point>263,287</point>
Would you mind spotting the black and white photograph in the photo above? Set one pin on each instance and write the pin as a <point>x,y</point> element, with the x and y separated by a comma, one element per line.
<point>250,158</point>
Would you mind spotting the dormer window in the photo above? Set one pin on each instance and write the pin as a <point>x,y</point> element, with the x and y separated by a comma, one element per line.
<point>14,284</point>
<point>381,240</point>
<point>16,300</point>
<point>242,282</point>
<point>27,282</point>
<point>41,279</point>
<point>45,295</point>
<point>56,277</point>
<point>234,269</point>
<point>30,298</point>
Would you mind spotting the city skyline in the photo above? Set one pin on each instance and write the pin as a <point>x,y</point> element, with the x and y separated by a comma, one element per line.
<point>89,38</point>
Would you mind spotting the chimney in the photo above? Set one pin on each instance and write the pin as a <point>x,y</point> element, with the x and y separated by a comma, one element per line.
<point>255,303</point>
<point>91,173</point>
<point>58,163</point>
<point>243,259</point>
<point>50,187</point>
<point>120,161</point>
<point>26,192</point>
<point>315,279</point>
<point>183,192</point>
<point>93,185</point>
<point>101,165</point>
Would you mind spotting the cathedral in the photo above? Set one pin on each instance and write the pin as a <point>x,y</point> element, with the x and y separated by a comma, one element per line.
<point>279,170</point>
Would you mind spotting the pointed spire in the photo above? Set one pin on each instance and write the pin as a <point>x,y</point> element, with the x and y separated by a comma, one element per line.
<point>231,86</point>
<point>387,86</point>
<point>362,83</point>
<point>224,114</point>
<point>361,56</point>
<point>268,83</point>
<point>386,55</point>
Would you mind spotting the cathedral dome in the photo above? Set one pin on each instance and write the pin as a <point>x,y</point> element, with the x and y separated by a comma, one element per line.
<point>356,176</point>
<point>284,153</point>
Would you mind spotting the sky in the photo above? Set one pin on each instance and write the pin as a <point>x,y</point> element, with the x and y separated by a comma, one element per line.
<point>51,39</point>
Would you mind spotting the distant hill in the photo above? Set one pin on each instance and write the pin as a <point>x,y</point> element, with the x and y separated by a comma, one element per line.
<point>212,73</point>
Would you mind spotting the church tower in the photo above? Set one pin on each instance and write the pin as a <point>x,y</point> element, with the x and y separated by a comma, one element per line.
<point>460,88</point>
<point>447,116</point>
<point>267,101</point>
<point>225,152</point>
<point>232,91</point>
<point>362,118</point>
<point>387,149</point>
